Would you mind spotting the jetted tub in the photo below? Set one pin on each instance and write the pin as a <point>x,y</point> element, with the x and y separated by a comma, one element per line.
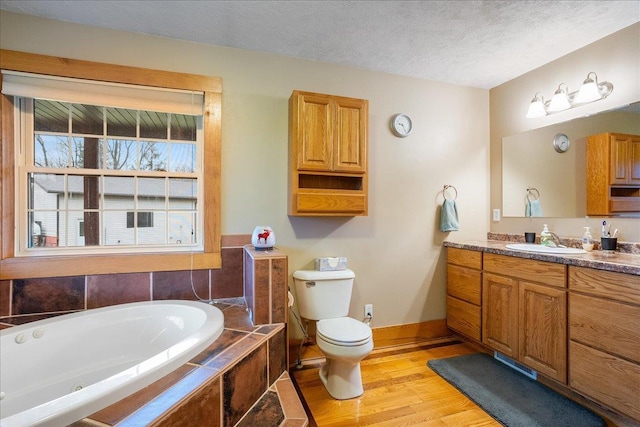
<point>60,370</point>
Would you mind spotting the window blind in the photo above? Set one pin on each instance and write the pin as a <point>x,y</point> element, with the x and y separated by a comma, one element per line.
<point>106,94</point>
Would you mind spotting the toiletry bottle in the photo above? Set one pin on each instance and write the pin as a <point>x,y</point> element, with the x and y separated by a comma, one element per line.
<point>587,240</point>
<point>545,236</point>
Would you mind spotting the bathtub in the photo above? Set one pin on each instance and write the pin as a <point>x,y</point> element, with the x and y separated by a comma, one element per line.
<point>60,370</point>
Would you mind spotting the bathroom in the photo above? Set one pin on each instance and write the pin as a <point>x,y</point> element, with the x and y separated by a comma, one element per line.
<point>406,284</point>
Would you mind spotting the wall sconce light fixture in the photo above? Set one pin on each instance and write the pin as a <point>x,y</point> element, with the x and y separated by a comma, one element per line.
<point>562,99</point>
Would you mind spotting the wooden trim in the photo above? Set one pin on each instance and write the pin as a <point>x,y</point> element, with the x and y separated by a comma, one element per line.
<point>212,170</point>
<point>384,338</point>
<point>79,265</point>
<point>7,189</point>
<point>409,333</point>
<point>75,68</point>
<point>12,267</point>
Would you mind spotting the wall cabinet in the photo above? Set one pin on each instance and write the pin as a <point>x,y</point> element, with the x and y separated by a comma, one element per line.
<point>464,292</point>
<point>524,312</point>
<point>613,174</point>
<point>328,140</point>
<point>604,334</point>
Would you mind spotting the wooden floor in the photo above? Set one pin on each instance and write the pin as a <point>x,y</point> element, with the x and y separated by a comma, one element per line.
<point>400,390</point>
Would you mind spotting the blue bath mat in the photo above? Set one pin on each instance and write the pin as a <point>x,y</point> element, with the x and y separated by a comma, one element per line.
<point>508,396</point>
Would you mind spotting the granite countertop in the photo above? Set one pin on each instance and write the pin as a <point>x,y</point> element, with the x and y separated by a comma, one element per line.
<point>618,262</point>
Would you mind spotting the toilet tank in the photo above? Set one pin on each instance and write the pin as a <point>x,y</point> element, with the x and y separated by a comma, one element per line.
<point>323,294</point>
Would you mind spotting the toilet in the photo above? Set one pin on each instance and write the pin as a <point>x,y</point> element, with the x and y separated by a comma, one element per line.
<point>324,296</point>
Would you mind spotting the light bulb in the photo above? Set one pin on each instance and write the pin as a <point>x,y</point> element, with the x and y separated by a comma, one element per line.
<point>536,108</point>
<point>560,101</point>
<point>588,91</point>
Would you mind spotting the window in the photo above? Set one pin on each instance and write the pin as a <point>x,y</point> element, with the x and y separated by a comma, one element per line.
<point>145,219</point>
<point>97,162</point>
<point>125,172</point>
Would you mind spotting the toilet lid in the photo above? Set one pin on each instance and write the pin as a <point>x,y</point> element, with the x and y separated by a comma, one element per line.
<point>343,331</point>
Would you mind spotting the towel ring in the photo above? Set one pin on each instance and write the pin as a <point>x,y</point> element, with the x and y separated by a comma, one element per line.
<point>444,191</point>
<point>533,192</point>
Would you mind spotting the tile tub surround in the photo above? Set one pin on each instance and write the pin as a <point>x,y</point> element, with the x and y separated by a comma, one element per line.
<point>66,294</point>
<point>619,262</point>
<point>239,379</point>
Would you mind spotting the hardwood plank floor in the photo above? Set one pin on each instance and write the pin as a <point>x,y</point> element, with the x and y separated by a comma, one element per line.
<point>400,391</point>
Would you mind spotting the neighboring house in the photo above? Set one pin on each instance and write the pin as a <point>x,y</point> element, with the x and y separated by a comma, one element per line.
<point>159,221</point>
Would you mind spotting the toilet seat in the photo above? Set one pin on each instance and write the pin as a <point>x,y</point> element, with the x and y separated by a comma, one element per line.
<point>343,331</point>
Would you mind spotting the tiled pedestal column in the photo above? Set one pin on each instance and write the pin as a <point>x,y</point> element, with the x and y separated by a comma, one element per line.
<point>265,286</point>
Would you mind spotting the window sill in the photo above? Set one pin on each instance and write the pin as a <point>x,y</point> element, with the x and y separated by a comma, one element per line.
<point>32,267</point>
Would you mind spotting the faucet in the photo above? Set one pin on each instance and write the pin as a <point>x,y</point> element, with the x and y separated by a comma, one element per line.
<point>555,241</point>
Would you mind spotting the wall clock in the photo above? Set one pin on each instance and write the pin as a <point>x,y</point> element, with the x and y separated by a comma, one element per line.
<point>401,125</point>
<point>561,143</point>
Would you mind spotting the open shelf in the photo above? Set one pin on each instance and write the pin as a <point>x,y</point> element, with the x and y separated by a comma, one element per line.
<point>331,182</point>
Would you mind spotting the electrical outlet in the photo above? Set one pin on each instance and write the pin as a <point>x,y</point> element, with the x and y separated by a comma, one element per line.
<point>496,214</point>
<point>368,310</point>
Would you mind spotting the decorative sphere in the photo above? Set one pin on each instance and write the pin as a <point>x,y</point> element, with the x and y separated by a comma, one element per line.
<point>263,237</point>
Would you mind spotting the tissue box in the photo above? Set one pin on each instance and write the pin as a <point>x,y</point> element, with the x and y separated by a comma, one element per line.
<point>331,263</point>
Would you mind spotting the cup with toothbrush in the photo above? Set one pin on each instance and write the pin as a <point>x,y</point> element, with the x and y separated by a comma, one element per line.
<point>608,241</point>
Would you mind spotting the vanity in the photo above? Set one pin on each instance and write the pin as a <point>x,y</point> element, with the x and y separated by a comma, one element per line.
<point>574,319</point>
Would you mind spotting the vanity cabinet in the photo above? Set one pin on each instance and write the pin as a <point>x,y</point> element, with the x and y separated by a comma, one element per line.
<point>464,292</point>
<point>524,306</point>
<point>328,140</point>
<point>613,174</point>
<point>604,337</point>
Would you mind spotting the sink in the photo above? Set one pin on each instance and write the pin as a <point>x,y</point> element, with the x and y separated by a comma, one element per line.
<point>530,247</point>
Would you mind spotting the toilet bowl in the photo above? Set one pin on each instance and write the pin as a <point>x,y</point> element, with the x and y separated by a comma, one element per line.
<point>324,296</point>
<point>344,342</point>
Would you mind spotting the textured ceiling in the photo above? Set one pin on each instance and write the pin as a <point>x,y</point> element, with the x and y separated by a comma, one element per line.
<point>472,43</point>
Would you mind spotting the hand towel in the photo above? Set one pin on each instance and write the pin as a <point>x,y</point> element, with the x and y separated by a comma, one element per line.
<point>449,216</point>
<point>533,208</point>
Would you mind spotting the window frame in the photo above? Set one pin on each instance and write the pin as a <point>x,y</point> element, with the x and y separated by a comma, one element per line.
<point>12,267</point>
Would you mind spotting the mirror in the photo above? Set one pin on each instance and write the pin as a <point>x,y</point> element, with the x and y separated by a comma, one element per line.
<point>557,180</point>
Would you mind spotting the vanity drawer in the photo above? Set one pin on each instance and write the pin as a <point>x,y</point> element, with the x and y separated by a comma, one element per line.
<point>465,258</point>
<point>608,284</point>
<point>464,283</point>
<point>464,317</point>
<point>609,379</point>
<point>547,273</point>
<point>608,325</point>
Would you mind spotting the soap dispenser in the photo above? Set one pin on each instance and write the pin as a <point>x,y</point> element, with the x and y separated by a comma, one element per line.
<point>587,240</point>
<point>545,236</point>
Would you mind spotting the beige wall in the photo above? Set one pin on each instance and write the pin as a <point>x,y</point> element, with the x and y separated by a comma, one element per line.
<point>616,59</point>
<point>396,251</point>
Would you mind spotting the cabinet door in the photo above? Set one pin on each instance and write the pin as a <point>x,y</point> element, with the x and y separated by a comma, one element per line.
<point>619,163</point>
<point>314,125</point>
<point>350,135</point>
<point>634,158</point>
<point>543,329</point>
<point>500,314</point>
